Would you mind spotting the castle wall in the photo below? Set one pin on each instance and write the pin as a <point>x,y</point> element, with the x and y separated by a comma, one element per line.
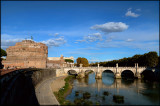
<point>26,54</point>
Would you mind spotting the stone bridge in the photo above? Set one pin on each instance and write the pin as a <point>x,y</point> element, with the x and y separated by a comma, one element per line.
<point>116,70</point>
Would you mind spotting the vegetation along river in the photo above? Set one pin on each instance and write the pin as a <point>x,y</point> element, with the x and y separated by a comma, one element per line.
<point>101,91</point>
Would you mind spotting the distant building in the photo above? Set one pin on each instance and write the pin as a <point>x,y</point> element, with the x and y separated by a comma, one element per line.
<point>72,58</point>
<point>58,58</point>
<point>26,54</point>
<point>57,62</point>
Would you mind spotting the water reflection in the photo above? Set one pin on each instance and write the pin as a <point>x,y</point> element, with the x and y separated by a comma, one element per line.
<point>135,92</point>
<point>108,78</point>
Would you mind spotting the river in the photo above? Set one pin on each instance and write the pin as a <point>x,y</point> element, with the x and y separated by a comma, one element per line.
<point>135,92</point>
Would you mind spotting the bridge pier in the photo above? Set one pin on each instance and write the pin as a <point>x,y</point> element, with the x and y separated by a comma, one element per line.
<point>137,75</point>
<point>80,75</point>
<point>98,75</point>
<point>117,75</point>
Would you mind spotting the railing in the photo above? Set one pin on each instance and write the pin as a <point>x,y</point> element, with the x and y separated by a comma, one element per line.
<point>101,67</point>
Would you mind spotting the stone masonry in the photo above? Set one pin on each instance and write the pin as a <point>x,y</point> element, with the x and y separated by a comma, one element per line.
<point>56,62</point>
<point>26,54</point>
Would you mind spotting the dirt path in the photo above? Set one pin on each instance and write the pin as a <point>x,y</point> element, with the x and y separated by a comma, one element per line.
<point>58,83</point>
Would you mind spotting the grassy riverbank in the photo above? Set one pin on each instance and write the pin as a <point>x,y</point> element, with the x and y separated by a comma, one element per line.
<point>60,95</point>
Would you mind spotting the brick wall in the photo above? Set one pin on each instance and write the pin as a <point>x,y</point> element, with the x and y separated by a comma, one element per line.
<point>26,54</point>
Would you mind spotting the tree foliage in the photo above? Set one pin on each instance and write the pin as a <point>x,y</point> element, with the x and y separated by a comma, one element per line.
<point>83,61</point>
<point>69,60</point>
<point>148,59</point>
<point>3,53</point>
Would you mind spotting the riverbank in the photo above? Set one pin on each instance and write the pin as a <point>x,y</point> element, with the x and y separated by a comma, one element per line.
<point>58,83</point>
<point>66,88</point>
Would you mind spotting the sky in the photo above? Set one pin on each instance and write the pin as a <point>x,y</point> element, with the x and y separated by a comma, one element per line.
<point>96,30</point>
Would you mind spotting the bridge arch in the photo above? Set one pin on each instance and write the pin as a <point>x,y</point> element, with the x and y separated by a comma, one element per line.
<point>72,72</point>
<point>127,73</point>
<point>147,74</point>
<point>108,77</point>
<point>89,70</point>
<point>108,70</point>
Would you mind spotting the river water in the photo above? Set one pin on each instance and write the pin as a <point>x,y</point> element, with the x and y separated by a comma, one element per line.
<point>135,92</point>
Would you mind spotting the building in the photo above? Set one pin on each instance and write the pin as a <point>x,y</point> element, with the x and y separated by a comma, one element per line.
<point>26,54</point>
<point>57,62</point>
<point>72,58</point>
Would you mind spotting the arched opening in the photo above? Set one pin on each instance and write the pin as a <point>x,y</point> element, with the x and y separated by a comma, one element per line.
<point>108,77</point>
<point>72,72</point>
<point>148,75</point>
<point>89,77</point>
<point>127,74</point>
<point>87,72</point>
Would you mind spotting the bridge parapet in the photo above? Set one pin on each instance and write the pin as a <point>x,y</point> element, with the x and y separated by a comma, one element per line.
<point>142,67</point>
<point>107,67</point>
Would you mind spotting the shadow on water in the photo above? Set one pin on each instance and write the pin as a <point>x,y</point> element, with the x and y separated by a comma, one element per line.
<point>127,82</point>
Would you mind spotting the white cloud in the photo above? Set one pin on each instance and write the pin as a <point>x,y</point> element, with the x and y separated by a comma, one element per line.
<point>109,39</point>
<point>91,38</point>
<point>148,45</point>
<point>129,9</point>
<point>56,34</point>
<point>131,14</point>
<point>11,42</point>
<point>111,27</point>
<point>81,40</point>
<point>129,40</point>
<point>88,48</point>
<point>55,42</point>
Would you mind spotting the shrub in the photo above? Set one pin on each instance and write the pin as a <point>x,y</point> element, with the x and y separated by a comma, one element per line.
<point>86,95</point>
<point>103,97</point>
<point>118,98</point>
<point>86,103</point>
<point>79,101</point>
<point>76,93</point>
<point>106,93</point>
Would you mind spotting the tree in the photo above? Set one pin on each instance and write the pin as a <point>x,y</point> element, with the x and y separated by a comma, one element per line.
<point>3,53</point>
<point>69,60</point>
<point>83,61</point>
<point>148,59</point>
<point>151,59</point>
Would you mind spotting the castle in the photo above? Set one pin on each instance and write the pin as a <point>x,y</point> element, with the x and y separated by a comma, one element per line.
<point>28,54</point>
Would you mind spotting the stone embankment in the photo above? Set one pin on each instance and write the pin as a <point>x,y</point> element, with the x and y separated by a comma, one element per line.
<point>19,88</point>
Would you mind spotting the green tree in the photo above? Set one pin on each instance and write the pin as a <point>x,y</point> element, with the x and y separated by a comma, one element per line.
<point>148,59</point>
<point>3,53</point>
<point>83,61</point>
<point>152,59</point>
<point>69,60</point>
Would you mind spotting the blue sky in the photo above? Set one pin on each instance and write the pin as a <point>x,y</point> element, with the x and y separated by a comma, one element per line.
<point>96,30</point>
